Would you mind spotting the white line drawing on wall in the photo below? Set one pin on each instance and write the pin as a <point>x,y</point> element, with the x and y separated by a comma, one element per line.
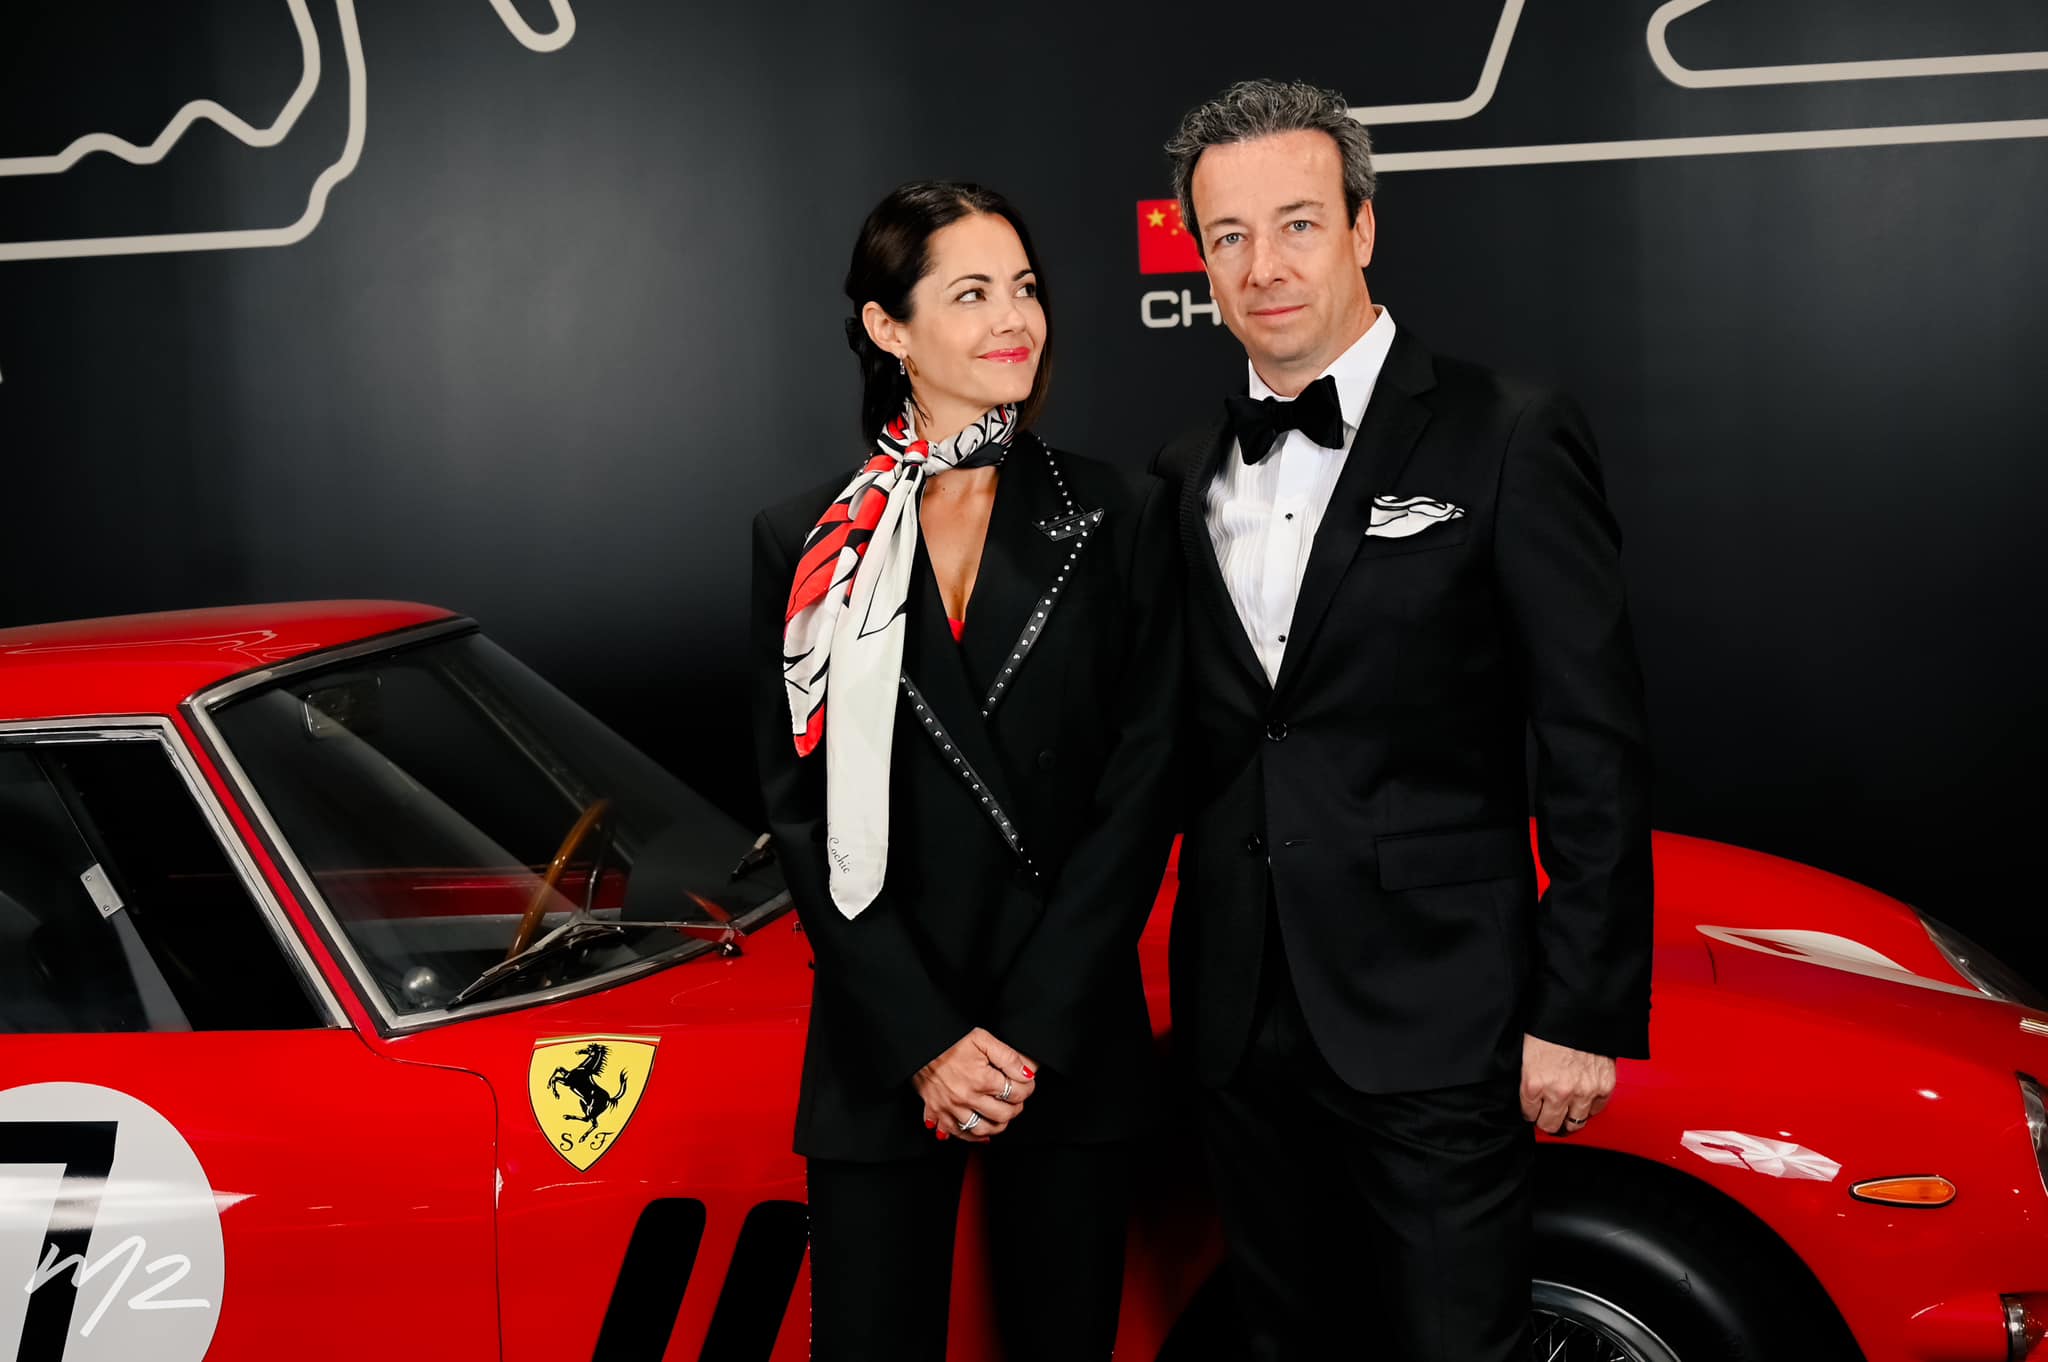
<point>1649,148</point>
<point>309,81</point>
<point>565,26</point>
<point>1482,93</point>
<point>209,111</point>
<point>1678,73</point>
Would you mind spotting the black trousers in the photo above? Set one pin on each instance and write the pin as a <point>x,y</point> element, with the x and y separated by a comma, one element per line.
<point>1389,1225</point>
<point>882,1251</point>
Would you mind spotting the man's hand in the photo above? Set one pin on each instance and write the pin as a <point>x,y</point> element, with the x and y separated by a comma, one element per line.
<point>980,1076</point>
<point>1563,1088</point>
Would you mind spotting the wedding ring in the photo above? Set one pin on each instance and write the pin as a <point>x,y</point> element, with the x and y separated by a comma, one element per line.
<point>1575,1120</point>
<point>973,1120</point>
<point>1004,1095</point>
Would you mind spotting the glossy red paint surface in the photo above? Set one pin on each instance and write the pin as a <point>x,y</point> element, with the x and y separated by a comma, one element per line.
<point>1884,1073</point>
<point>371,1173</point>
<point>149,664</point>
<point>339,1172</point>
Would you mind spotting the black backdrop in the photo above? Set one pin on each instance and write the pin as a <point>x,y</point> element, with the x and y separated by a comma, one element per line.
<point>573,315</point>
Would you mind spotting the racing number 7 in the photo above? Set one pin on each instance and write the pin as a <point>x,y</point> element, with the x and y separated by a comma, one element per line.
<point>85,1150</point>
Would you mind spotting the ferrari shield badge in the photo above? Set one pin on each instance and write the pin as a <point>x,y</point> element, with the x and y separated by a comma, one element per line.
<point>584,1090</point>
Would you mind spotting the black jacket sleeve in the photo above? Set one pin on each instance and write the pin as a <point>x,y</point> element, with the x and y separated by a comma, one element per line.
<point>1557,554</point>
<point>1104,893</point>
<point>871,962</point>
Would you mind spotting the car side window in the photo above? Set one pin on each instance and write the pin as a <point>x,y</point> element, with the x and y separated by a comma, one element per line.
<point>118,909</point>
<point>64,964</point>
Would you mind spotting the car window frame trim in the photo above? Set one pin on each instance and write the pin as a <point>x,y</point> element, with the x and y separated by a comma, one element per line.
<point>160,729</point>
<point>198,710</point>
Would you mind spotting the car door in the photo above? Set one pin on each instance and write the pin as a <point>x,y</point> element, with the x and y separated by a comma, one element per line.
<point>199,1158</point>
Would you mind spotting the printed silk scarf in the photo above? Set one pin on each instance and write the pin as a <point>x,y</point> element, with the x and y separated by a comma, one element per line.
<point>845,622</point>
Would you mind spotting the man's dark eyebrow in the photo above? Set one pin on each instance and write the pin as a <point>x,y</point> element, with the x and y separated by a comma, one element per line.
<point>977,278</point>
<point>1297,206</point>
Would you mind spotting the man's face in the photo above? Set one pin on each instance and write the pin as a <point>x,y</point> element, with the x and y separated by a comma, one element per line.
<point>1284,264</point>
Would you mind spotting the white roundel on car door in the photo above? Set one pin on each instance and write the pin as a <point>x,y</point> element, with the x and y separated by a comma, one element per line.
<point>110,1240</point>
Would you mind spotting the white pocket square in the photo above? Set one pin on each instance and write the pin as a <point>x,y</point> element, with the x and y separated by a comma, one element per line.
<point>1399,517</point>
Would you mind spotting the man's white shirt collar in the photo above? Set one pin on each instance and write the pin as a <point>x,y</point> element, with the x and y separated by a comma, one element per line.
<point>1263,517</point>
<point>1357,370</point>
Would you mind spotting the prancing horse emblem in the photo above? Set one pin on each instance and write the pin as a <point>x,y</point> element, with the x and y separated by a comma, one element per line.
<point>584,1089</point>
<point>582,1080</point>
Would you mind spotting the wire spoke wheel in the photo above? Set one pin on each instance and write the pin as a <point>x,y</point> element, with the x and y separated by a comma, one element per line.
<point>1567,1324</point>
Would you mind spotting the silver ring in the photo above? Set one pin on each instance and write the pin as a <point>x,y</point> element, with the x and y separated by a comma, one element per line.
<point>1576,1120</point>
<point>1004,1095</point>
<point>973,1120</point>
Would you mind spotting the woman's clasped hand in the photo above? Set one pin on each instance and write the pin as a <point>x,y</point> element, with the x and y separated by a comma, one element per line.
<point>976,1088</point>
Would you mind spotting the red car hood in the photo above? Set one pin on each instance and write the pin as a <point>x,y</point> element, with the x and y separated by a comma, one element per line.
<point>1800,940</point>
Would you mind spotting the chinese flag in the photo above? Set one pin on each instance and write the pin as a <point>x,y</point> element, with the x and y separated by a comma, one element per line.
<point>1165,246</point>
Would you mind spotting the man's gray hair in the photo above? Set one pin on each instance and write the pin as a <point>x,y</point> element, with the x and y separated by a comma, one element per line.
<point>1261,108</point>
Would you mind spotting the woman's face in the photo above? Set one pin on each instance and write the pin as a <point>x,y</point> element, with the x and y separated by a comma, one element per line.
<point>976,329</point>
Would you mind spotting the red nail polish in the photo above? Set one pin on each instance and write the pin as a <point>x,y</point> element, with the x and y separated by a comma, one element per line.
<point>942,1134</point>
<point>929,1125</point>
<point>1027,1073</point>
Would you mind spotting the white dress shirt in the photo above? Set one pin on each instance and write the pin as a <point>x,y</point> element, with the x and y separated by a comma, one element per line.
<point>1263,516</point>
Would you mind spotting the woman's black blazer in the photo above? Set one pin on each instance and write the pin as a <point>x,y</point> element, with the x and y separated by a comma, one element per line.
<point>1021,874</point>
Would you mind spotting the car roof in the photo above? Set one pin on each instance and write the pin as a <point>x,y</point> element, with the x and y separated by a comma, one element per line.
<point>149,664</point>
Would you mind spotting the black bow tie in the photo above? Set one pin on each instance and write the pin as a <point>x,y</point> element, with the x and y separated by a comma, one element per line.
<point>1259,421</point>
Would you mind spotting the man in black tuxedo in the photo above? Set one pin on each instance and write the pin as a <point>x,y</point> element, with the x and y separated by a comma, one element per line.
<point>1401,566</point>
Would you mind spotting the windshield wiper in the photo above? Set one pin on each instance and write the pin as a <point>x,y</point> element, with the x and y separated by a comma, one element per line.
<point>580,930</point>
<point>563,939</point>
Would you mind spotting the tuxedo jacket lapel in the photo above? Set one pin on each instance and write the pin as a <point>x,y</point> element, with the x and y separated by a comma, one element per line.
<point>1036,533</point>
<point>1204,571</point>
<point>1393,422</point>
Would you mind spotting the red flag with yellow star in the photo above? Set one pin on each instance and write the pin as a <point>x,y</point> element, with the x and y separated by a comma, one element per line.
<point>1165,246</point>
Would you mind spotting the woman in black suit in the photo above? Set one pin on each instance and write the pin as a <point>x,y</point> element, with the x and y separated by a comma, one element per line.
<point>965,663</point>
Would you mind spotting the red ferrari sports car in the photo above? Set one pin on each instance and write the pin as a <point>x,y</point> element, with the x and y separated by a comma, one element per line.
<point>361,996</point>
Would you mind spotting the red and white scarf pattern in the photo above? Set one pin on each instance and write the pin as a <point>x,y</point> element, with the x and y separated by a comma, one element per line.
<point>845,624</point>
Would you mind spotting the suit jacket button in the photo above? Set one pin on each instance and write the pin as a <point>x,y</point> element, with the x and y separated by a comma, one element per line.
<point>1045,760</point>
<point>1277,731</point>
<point>1255,844</point>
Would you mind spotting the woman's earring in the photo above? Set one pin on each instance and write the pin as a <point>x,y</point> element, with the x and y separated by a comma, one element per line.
<point>900,367</point>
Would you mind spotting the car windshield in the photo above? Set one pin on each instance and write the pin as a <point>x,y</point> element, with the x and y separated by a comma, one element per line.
<point>448,806</point>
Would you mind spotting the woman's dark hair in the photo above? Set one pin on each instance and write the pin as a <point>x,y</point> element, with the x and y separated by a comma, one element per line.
<point>891,255</point>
